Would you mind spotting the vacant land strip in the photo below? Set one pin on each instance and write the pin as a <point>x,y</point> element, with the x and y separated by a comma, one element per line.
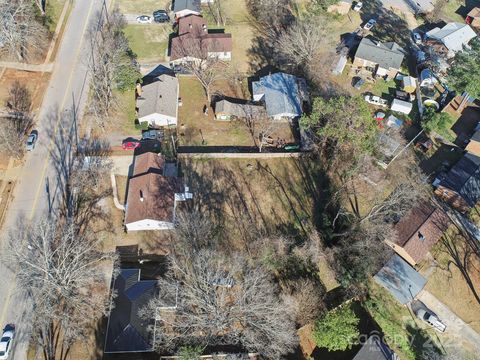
<point>145,7</point>
<point>149,42</point>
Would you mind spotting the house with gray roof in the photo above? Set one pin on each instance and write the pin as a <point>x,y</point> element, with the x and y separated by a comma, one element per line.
<point>454,36</point>
<point>126,331</point>
<point>375,349</point>
<point>400,279</point>
<point>381,59</point>
<point>157,101</point>
<point>283,95</point>
<point>227,110</point>
<point>183,8</point>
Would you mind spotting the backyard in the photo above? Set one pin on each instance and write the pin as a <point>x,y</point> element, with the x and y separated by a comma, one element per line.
<point>197,129</point>
<point>148,42</point>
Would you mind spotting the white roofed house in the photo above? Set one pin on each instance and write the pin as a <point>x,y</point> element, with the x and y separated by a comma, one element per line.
<point>450,39</point>
<point>283,95</point>
<point>157,101</point>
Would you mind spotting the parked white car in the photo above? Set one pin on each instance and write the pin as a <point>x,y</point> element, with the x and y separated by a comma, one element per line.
<point>370,24</point>
<point>6,342</point>
<point>358,6</point>
<point>144,19</point>
<point>417,38</point>
<point>376,100</point>
<point>431,320</point>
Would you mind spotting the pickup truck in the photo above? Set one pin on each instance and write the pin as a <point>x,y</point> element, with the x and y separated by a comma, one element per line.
<point>376,100</point>
<point>431,320</point>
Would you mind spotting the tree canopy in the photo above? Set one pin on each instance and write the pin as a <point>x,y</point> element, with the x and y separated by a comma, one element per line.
<point>337,330</point>
<point>464,74</point>
<point>343,123</point>
<point>439,123</point>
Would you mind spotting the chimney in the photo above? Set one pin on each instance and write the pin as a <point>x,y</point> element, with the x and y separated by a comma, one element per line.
<point>204,28</point>
<point>141,196</point>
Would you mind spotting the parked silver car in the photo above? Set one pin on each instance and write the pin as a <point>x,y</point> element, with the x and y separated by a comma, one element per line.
<point>431,319</point>
<point>32,140</point>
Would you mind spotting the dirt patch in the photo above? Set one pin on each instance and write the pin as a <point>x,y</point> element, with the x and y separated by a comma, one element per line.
<point>121,187</point>
<point>36,83</point>
<point>5,198</point>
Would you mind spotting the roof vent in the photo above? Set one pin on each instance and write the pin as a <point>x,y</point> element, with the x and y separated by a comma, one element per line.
<point>190,26</point>
<point>420,236</point>
<point>141,196</point>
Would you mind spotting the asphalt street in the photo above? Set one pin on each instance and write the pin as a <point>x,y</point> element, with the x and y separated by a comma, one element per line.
<point>69,81</point>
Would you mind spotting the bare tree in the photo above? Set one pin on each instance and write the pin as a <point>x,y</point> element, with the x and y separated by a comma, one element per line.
<point>223,300</point>
<point>112,64</point>
<point>261,129</point>
<point>200,60</point>
<point>216,10</point>
<point>20,32</point>
<point>306,301</point>
<point>62,272</point>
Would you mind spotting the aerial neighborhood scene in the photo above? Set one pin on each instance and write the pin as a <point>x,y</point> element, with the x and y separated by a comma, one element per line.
<point>240,179</point>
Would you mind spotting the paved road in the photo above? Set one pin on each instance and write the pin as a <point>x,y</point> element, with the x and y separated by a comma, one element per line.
<point>29,198</point>
<point>456,327</point>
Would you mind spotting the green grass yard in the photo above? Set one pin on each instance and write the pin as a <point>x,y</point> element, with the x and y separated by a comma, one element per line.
<point>141,7</point>
<point>54,10</point>
<point>149,42</point>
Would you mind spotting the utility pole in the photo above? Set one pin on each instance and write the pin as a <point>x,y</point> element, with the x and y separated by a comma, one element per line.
<point>74,112</point>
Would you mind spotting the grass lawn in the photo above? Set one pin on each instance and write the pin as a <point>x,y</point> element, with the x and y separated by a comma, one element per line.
<point>149,42</point>
<point>141,7</point>
<point>54,10</point>
<point>197,129</point>
<point>449,11</point>
<point>124,120</point>
<point>244,196</point>
<point>446,281</point>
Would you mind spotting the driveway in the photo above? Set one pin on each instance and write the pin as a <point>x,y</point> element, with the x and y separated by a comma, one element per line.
<point>457,329</point>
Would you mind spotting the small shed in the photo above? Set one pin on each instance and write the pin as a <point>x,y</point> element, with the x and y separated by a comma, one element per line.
<point>409,84</point>
<point>340,65</point>
<point>401,106</point>
<point>400,279</point>
<point>473,18</point>
<point>226,110</point>
<point>394,122</point>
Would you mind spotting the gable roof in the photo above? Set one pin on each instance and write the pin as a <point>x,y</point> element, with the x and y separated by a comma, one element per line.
<point>387,55</point>
<point>420,229</point>
<point>151,195</point>
<point>126,331</point>
<point>180,5</point>
<point>282,93</point>
<point>400,279</point>
<point>193,39</point>
<point>375,349</point>
<point>239,110</point>
<point>453,35</point>
<point>159,96</point>
<point>148,162</point>
<point>464,178</point>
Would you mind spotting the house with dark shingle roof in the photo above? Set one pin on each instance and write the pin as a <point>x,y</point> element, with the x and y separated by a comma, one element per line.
<point>194,42</point>
<point>460,187</point>
<point>418,231</point>
<point>183,8</point>
<point>153,196</point>
<point>381,59</point>
<point>157,103</point>
<point>400,279</point>
<point>126,330</point>
<point>283,95</point>
<point>375,349</point>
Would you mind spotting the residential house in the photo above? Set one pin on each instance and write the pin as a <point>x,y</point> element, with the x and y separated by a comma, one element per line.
<point>375,349</point>
<point>183,8</point>
<point>473,18</point>
<point>461,185</point>
<point>451,38</point>
<point>157,101</point>
<point>283,95</point>
<point>226,110</point>
<point>126,330</point>
<point>381,59</point>
<point>400,279</point>
<point>153,196</point>
<point>194,42</point>
<point>418,231</point>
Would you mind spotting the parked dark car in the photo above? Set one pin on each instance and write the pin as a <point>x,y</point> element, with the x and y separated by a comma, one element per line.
<point>160,16</point>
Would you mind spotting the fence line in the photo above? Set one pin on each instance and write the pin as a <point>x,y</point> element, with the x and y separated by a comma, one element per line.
<point>226,155</point>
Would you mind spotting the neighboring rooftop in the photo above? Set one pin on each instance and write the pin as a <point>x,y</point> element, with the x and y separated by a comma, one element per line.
<point>420,229</point>
<point>387,55</point>
<point>159,96</point>
<point>464,179</point>
<point>281,92</point>
<point>194,40</point>
<point>126,331</point>
<point>193,5</point>
<point>400,279</point>
<point>150,194</point>
<point>239,110</point>
<point>453,35</point>
<point>375,349</point>
<point>148,162</point>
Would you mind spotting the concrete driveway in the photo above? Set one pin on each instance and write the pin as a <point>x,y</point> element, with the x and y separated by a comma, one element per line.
<point>457,330</point>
